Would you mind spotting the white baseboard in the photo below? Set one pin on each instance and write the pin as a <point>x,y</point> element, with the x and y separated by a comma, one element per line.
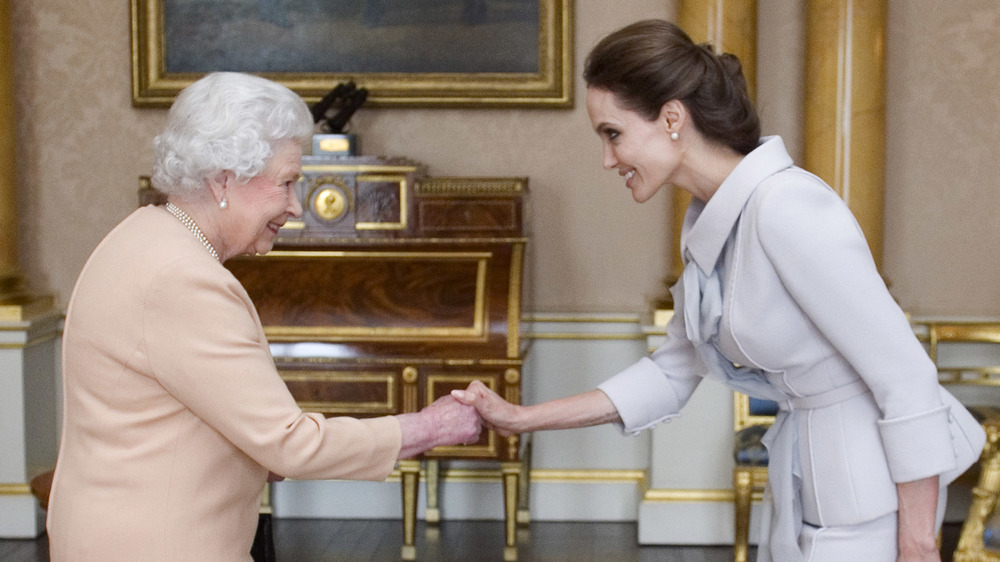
<point>553,496</point>
<point>20,517</point>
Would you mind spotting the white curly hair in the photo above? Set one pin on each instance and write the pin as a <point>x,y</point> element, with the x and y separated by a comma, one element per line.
<point>226,121</point>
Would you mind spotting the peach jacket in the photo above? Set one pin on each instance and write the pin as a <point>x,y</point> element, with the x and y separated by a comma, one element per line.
<point>173,411</point>
<point>780,298</point>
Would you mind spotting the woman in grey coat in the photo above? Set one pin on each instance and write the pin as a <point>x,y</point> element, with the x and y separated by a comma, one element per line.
<point>780,299</point>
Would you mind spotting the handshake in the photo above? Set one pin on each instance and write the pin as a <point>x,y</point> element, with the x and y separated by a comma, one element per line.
<point>457,419</point>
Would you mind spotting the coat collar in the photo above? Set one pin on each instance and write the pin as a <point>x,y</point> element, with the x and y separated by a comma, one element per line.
<point>708,225</point>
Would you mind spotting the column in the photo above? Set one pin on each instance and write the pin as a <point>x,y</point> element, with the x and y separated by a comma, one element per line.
<point>29,342</point>
<point>690,498</point>
<point>731,27</point>
<point>845,105</point>
<point>8,203</point>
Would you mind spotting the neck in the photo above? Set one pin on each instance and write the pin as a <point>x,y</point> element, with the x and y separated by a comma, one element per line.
<point>705,167</point>
<point>202,214</point>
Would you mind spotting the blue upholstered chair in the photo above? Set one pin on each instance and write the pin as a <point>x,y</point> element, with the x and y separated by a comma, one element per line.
<point>753,417</point>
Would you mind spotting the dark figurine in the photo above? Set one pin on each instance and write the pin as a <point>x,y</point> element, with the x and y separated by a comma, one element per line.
<point>341,90</point>
<point>353,102</point>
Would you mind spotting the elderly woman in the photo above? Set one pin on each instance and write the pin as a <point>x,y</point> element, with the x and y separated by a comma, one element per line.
<point>174,413</point>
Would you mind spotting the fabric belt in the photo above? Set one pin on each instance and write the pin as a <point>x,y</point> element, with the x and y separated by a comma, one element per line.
<point>824,399</point>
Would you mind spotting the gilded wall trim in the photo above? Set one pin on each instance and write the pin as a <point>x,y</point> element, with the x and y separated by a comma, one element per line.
<point>681,495</point>
<point>15,489</point>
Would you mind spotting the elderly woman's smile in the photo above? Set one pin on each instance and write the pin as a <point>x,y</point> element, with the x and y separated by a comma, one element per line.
<point>260,207</point>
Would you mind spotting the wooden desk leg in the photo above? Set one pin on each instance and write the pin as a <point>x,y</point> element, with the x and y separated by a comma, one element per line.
<point>511,476</point>
<point>410,474</point>
<point>433,513</point>
<point>524,487</point>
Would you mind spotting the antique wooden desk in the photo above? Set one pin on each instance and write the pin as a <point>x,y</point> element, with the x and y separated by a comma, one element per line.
<point>393,289</point>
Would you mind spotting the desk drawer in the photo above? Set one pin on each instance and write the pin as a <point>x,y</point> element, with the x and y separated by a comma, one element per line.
<point>356,389</point>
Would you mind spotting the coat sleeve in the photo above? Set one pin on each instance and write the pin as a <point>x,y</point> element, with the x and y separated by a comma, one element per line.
<point>654,389</point>
<point>204,344</point>
<point>821,256</point>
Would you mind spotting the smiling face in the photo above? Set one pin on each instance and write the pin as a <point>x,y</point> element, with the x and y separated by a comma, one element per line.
<point>258,208</point>
<point>641,150</point>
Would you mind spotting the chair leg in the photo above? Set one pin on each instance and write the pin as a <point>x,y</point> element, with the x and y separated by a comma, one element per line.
<point>742,488</point>
<point>524,484</point>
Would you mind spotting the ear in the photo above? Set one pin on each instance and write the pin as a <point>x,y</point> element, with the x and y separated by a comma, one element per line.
<point>673,115</point>
<point>218,184</point>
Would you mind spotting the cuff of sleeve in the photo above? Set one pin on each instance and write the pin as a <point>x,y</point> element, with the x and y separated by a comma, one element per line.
<point>642,395</point>
<point>918,446</point>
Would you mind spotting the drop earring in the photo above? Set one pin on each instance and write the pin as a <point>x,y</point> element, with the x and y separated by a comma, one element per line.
<point>674,135</point>
<point>224,204</point>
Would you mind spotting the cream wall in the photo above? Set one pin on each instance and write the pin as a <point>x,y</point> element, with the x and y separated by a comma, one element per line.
<point>82,146</point>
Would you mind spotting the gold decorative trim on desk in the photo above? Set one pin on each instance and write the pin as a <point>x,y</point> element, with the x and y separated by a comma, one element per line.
<point>470,187</point>
<point>514,303</point>
<point>346,407</point>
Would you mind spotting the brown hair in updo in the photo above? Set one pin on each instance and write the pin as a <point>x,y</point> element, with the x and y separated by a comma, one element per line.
<point>649,63</point>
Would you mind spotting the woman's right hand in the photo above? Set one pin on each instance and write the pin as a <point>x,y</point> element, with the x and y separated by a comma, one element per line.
<point>445,422</point>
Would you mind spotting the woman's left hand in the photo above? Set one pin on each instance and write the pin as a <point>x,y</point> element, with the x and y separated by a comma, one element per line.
<point>917,509</point>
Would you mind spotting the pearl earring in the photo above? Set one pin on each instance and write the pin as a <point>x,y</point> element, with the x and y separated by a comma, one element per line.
<point>223,204</point>
<point>674,136</point>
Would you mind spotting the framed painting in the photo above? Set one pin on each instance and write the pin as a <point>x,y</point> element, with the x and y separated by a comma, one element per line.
<point>406,53</point>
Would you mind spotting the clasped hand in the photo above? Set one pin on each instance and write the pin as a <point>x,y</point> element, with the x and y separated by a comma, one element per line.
<point>495,412</point>
<point>457,419</point>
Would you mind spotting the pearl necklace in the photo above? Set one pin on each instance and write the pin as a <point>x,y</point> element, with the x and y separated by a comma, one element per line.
<point>193,227</point>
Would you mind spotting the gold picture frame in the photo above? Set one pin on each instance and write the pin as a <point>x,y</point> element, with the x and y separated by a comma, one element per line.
<point>549,85</point>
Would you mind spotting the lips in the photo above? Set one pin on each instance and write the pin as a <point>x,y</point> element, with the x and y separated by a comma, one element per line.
<point>628,178</point>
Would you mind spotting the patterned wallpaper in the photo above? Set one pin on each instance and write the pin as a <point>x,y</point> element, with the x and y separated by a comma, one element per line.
<point>82,147</point>
<point>943,174</point>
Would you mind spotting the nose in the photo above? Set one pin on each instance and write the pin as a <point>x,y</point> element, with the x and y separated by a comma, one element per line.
<point>609,159</point>
<point>294,206</point>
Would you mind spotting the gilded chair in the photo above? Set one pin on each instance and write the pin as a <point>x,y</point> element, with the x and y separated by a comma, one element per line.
<point>752,417</point>
<point>980,537</point>
<point>974,362</point>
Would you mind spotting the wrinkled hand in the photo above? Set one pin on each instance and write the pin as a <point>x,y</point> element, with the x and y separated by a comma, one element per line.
<point>498,414</point>
<point>445,422</point>
<point>457,423</point>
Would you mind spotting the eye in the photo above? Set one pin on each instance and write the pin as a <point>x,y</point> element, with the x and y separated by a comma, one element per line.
<point>610,134</point>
